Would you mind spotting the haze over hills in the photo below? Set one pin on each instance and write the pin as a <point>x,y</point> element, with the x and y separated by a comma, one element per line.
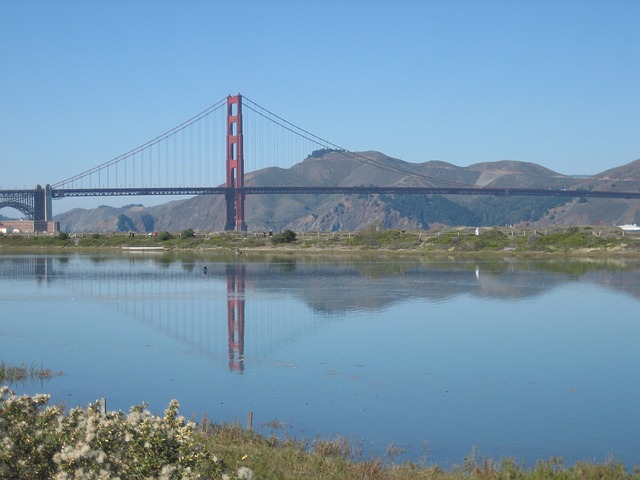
<point>353,212</point>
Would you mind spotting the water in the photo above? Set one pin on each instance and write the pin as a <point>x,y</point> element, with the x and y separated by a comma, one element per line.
<point>516,359</point>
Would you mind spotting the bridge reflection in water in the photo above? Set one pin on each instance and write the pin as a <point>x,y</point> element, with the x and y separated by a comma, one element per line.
<point>239,309</point>
<point>235,315</point>
<point>186,301</point>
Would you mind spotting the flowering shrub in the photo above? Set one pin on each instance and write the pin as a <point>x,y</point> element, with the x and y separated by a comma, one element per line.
<point>38,441</point>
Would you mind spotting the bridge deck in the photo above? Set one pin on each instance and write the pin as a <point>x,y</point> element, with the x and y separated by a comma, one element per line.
<point>300,190</point>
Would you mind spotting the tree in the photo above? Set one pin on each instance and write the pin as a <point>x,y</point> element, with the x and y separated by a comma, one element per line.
<point>287,236</point>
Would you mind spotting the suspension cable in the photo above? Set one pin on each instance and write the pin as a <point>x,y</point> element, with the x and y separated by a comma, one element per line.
<point>148,144</point>
<point>353,155</point>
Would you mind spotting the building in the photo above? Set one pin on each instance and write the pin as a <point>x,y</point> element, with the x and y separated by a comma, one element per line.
<point>29,226</point>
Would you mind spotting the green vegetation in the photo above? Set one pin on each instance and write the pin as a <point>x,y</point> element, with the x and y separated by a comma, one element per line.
<point>577,240</point>
<point>572,238</point>
<point>510,210</point>
<point>188,233</point>
<point>450,240</point>
<point>429,209</point>
<point>323,151</point>
<point>290,459</point>
<point>38,441</point>
<point>375,237</point>
<point>487,210</point>
<point>286,236</point>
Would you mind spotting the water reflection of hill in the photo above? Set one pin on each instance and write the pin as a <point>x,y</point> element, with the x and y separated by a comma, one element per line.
<point>370,286</point>
<point>356,284</point>
<point>615,280</point>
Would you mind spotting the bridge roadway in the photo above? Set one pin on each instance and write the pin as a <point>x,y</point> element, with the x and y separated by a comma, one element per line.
<point>500,192</point>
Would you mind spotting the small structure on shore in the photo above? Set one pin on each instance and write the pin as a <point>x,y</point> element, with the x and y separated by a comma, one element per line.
<point>630,228</point>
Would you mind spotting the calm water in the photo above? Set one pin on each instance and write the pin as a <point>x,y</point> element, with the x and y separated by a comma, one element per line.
<point>517,359</point>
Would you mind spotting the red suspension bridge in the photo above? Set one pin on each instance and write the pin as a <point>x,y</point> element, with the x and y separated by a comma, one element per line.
<point>205,155</point>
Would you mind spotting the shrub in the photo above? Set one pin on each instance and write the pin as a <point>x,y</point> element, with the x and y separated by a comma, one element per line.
<point>39,442</point>
<point>287,236</point>
<point>188,233</point>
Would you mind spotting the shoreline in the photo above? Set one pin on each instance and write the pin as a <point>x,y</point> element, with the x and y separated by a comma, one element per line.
<point>457,242</point>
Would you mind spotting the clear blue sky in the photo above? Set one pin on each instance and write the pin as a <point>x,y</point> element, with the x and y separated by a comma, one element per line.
<point>552,82</point>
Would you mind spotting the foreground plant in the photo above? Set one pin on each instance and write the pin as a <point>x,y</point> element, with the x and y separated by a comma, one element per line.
<point>38,441</point>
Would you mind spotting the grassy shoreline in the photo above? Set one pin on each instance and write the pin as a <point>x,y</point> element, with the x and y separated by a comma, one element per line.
<point>458,241</point>
<point>291,459</point>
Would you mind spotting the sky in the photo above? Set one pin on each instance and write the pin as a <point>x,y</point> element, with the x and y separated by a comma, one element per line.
<point>552,82</point>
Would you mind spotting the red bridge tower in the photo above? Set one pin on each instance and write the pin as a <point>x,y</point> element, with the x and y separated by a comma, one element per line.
<point>235,165</point>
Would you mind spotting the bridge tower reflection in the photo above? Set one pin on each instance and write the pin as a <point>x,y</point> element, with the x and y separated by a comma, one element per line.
<point>235,315</point>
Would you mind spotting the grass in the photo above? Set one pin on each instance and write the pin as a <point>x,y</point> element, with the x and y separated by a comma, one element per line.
<point>453,240</point>
<point>22,373</point>
<point>270,457</point>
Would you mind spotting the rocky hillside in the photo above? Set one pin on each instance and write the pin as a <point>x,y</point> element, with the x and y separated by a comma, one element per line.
<point>596,211</point>
<point>353,212</point>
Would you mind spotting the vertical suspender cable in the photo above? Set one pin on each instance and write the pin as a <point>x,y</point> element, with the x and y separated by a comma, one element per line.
<point>182,160</point>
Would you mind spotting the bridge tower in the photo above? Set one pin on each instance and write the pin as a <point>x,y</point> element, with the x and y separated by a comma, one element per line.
<point>235,165</point>
<point>42,209</point>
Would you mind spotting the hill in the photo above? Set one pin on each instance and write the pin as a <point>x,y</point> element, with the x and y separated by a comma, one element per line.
<point>597,211</point>
<point>354,212</point>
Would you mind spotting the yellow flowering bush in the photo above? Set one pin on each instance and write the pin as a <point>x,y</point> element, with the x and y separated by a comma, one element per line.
<point>38,441</point>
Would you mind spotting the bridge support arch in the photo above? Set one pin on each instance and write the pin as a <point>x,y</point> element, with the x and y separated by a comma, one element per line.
<point>34,204</point>
<point>235,165</point>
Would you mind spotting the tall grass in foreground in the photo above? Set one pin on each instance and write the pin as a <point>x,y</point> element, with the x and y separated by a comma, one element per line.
<point>290,459</point>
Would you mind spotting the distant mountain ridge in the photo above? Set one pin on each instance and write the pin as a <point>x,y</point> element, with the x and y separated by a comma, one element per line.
<point>353,212</point>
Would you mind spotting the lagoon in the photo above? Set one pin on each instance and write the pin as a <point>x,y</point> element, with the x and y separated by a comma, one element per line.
<point>425,359</point>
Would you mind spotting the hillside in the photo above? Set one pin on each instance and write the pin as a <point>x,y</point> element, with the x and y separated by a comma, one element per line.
<point>596,211</point>
<point>353,212</point>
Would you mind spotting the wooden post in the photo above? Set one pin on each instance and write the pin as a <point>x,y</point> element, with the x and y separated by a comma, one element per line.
<point>250,420</point>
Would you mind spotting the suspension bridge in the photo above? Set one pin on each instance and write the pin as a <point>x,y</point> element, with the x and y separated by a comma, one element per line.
<point>205,155</point>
